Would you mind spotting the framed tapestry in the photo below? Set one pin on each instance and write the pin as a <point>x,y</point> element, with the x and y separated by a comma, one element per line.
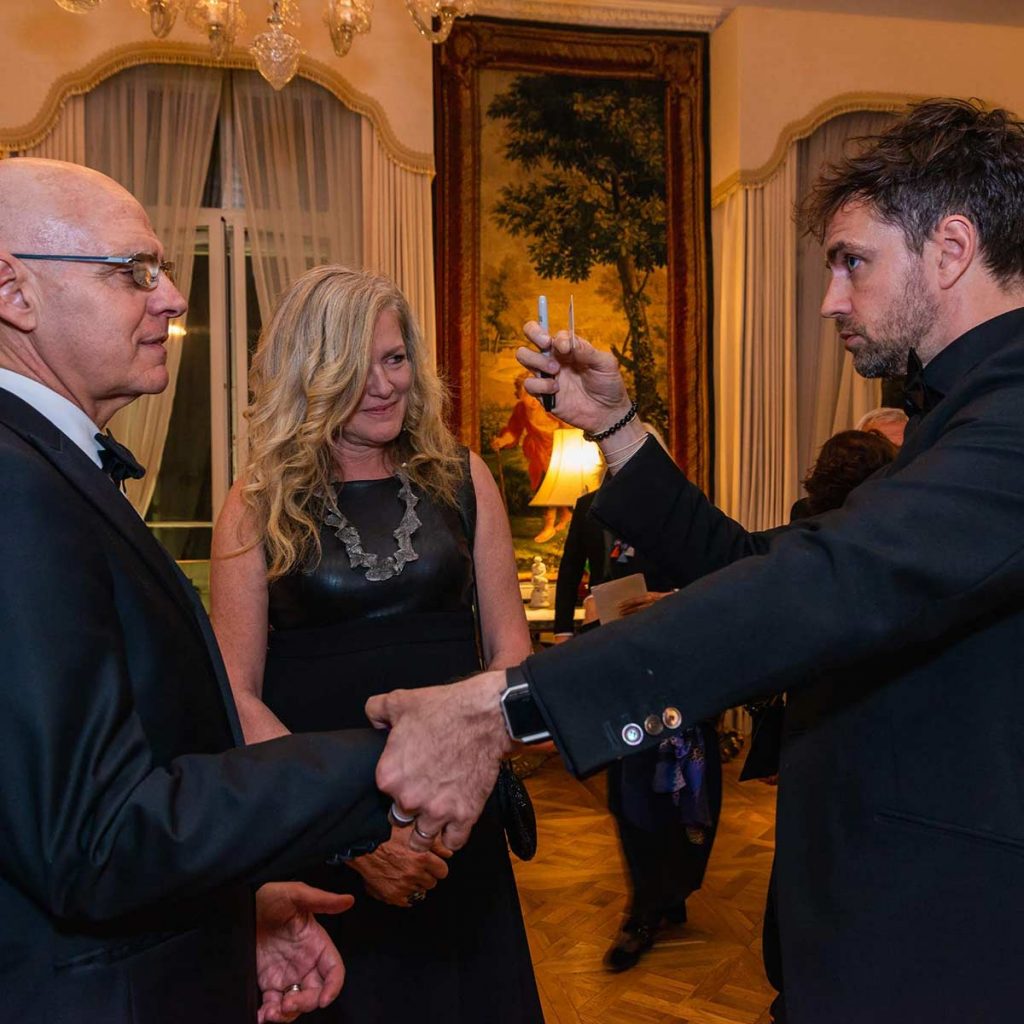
<point>571,163</point>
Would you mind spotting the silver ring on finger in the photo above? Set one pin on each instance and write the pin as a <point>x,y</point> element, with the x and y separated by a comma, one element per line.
<point>291,988</point>
<point>427,837</point>
<point>400,819</point>
<point>417,897</point>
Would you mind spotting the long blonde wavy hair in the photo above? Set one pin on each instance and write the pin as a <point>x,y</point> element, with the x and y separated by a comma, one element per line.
<point>307,379</point>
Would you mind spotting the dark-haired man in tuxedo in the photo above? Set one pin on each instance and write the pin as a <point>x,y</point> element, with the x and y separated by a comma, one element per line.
<point>894,623</point>
<point>132,833</point>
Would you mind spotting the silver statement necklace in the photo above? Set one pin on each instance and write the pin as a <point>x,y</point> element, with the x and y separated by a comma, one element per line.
<point>378,567</point>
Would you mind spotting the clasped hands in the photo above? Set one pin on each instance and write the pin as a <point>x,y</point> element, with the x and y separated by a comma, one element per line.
<point>445,743</point>
<point>441,760</point>
<point>395,873</point>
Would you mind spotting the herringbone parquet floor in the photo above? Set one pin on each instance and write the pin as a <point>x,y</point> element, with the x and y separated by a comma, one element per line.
<point>573,894</point>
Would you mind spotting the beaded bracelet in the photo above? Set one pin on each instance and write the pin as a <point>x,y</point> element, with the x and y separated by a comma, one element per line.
<point>630,414</point>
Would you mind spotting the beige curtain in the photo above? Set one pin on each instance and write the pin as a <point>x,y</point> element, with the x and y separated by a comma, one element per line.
<point>298,153</point>
<point>832,395</point>
<point>756,407</point>
<point>151,128</point>
<point>783,382</point>
<point>398,229</point>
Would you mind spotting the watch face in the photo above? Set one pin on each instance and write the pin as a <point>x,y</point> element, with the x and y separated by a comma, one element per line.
<point>522,716</point>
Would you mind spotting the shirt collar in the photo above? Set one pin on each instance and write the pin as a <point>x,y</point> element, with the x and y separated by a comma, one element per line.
<point>62,413</point>
<point>959,357</point>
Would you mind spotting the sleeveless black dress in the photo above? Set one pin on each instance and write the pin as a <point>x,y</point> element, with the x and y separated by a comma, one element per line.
<point>461,955</point>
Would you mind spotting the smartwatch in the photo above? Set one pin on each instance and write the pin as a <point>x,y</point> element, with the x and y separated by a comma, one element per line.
<point>523,719</point>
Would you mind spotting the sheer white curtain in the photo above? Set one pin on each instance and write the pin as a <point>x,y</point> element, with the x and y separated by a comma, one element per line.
<point>398,227</point>
<point>299,158</point>
<point>66,140</point>
<point>756,417</point>
<point>151,128</point>
<point>832,395</point>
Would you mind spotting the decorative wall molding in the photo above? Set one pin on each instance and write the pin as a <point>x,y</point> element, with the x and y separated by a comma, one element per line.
<point>846,103</point>
<point>82,80</point>
<point>660,15</point>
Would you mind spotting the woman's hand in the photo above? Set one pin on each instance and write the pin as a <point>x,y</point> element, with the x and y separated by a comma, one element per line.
<point>394,872</point>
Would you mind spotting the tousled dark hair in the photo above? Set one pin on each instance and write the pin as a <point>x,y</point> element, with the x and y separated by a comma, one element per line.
<point>946,156</point>
<point>846,459</point>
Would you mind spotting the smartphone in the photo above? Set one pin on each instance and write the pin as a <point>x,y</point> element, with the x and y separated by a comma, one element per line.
<point>548,401</point>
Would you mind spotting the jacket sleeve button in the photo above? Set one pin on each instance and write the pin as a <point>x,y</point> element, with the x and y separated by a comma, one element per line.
<point>632,735</point>
<point>672,718</point>
<point>653,725</point>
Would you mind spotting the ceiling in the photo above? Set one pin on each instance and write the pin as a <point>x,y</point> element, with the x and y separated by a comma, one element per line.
<point>707,14</point>
<point>988,12</point>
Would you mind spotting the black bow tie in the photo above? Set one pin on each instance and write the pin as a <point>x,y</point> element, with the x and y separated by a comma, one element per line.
<point>117,462</point>
<point>918,396</point>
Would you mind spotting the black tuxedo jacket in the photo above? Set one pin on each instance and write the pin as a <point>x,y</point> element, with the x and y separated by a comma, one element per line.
<point>132,832</point>
<point>896,626</point>
<point>585,543</point>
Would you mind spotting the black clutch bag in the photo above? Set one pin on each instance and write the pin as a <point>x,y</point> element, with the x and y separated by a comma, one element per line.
<point>514,804</point>
<point>516,811</point>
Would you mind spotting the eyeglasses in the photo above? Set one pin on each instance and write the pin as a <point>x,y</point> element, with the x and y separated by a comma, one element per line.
<point>146,268</point>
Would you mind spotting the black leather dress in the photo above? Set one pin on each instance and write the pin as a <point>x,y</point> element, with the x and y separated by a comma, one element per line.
<point>461,955</point>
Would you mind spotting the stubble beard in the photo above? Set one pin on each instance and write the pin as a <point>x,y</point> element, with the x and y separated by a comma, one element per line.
<point>907,322</point>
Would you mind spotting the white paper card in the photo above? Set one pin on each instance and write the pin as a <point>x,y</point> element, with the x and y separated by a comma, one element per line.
<point>608,596</point>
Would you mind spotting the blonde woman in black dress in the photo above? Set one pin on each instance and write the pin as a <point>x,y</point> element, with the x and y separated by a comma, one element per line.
<point>348,561</point>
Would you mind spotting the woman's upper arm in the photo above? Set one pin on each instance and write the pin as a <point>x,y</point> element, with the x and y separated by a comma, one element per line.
<point>506,636</point>
<point>238,596</point>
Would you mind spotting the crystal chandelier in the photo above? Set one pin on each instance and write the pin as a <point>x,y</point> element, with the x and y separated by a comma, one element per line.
<point>345,18</point>
<point>218,20</point>
<point>434,18</point>
<point>277,51</point>
<point>161,14</point>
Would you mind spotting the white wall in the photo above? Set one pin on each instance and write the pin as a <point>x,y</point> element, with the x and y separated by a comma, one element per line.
<point>773,70</point>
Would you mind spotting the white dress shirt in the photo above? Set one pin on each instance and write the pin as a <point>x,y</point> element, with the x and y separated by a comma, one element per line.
<point>62,413</point>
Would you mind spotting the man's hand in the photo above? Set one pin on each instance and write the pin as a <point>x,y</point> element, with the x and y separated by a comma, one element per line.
<point>591,393</point>
<point>393,872</point>
<point>632,605</point>
<point>442,755</point>
<point>292,948</point>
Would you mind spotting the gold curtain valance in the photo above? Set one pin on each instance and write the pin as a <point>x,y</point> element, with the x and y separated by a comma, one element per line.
<point>82,80</point>
<point>846,103</point>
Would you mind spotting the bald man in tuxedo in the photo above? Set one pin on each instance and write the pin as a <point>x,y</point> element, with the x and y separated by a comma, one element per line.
<point>134,826</point>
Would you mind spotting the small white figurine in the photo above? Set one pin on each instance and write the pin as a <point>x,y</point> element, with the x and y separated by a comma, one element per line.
<point>539,578</point>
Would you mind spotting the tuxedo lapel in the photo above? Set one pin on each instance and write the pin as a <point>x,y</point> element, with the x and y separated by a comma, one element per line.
<point>97,488</point>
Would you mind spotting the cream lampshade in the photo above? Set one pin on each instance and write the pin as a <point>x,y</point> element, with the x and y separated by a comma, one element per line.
<point>576,468</point>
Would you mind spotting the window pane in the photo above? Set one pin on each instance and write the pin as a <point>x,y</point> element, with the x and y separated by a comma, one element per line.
<point>253,320</point>
<point>183,492</point>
